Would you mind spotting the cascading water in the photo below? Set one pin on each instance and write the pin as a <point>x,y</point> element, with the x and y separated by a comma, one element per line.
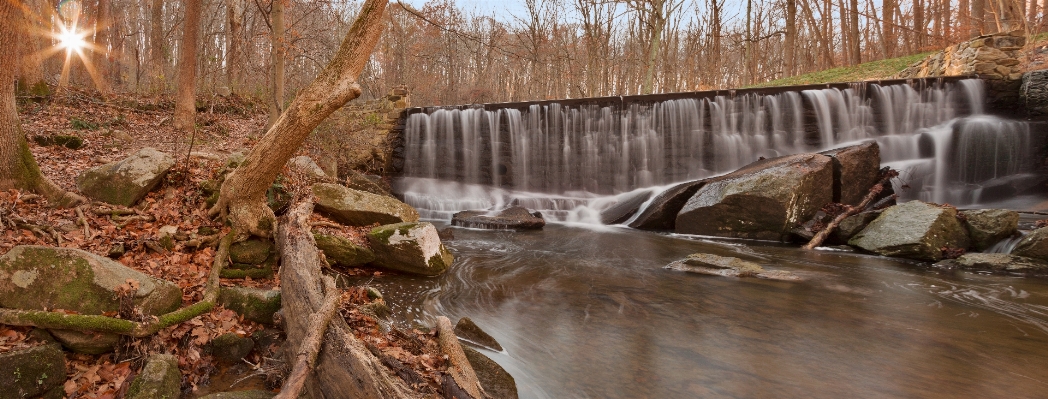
<point>568,161</point>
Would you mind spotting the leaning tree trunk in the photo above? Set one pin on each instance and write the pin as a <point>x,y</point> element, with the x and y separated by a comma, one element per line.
<point>185,103</point>
<point>242,198</point>
<point>18,169</point>
<point>344,368</point>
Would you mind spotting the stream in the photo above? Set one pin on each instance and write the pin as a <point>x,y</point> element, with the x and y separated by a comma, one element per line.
<point>588,312</point>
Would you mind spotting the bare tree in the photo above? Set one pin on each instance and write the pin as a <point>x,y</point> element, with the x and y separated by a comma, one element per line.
<point>242,197</point>
<point>279,43</point>
<point>185,103</point>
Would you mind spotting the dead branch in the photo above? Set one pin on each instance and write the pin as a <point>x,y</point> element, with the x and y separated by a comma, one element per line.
<point>852,210</point>
<point>310,348</point>
<point>104,324</point>
<point>83,221</point>
<point>459,368</point>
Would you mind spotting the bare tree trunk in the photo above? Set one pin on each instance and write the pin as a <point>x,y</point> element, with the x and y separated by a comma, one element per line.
<point>103,21</point>
<point>853,27</point>
<point>964,19</point>
<point>791,38</point>
<point>1009,15</point>
<point>235,26</point>
<point>156,46</point>
<point>889,28</point>
<point>918,24</point>
<point>18,168</point>
<point>243,193</point>
<point>185,103</point>
<point>276,105</point>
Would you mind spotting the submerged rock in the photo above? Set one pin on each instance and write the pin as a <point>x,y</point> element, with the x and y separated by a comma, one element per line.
<point>410,247</point>
<point>497,382</point>
<point>513,218</point>
<point>38,371</point>
<point>855,169</point>
<point>914,230</point>
<point>127,181</point>
<point>159,379</point>
<point>997,263</point>
<point>230,347</point>
<point>342,252</point>
<point>470,331</point>
<point>37,277</point>
<point>359,208</point>
<point>661,213</point>
<point>1033,245</point>
<point>728,267</point>
<point>986,227</point>
<point>763,200</point>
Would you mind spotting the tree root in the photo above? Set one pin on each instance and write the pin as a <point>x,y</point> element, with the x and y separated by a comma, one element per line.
<point>88,323</point>
<point>460,371</point>
<point>310,347</point>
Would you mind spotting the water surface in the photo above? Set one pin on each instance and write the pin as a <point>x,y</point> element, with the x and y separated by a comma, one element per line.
<point>590,313</point>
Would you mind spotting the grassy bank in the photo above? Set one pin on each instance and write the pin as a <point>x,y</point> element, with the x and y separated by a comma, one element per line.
<point>873,70</point>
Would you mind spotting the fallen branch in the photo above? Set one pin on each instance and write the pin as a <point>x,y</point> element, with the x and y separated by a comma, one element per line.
<point>310,348</point>
<point>83,221</point>
<point>851,210</point>
<point>462,373</point>
<point>104,324</point>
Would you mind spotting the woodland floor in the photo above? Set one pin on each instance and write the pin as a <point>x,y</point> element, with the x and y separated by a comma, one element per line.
<point>112,129</point>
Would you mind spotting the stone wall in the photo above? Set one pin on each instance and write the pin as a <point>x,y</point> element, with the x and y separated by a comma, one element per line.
<point>993,58</point>
<point>361,136</point>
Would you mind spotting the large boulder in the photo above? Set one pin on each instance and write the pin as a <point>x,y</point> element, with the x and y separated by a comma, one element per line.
<point>359,208</point>
<point>914,230</point>
<point>127,181</point>
<point>763,200</point>
<point>308,169</point>
<point>342,252</point>
<point>855,169</point>
<point>661,213</point>
<point>159,379</point>
<point>410,247</point>
<point>513,218</point>
<point>37,277</point>
<point>997,263</point>
<point>362,182</point>
<point>38,371</point>
<point>852,225</point>
<point>1033,245</point>
<point>986,227</point>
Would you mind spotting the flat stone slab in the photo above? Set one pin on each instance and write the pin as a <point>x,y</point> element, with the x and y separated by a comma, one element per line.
<point>727,266</point>
<point>514,218</point>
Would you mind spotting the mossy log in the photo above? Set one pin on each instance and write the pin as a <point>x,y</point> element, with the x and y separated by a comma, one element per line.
<point>344,368</point>
<point>104,324</point>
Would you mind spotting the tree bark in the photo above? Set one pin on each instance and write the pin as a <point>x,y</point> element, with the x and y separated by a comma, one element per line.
<point>855,42</point>
<point>791,38</point>
<point>276,105</point>
<point>156,46</point>
<point>242,198</point>
<point>234,16</point>
<point>889,28</point>
<point>18,168</point>
<point>185,103</point>
<point>344,368</point>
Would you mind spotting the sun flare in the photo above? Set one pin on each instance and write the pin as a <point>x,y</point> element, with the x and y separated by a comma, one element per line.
<point>72,40</point>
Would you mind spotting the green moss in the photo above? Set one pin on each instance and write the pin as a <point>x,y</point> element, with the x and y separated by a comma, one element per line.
<point>264,272</point>
<point>881,69</point>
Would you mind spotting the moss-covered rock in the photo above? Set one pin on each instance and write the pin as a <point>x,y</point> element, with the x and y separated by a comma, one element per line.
<point>127,181</point>
<point>67,141</point>
<point>37,277</point>
<point>257,305</point>
<point>230,347</point>
<point>253,251</point>
<point>160,379</point>
<point>342,252</point>
<point>988,226</point>
<point>495,380</point>
<point>914,230</point>
<point>32,372</point>
<point>1033,245</point>
<point>410,247</point>
<point>359,181</point>
<point>358,208</point>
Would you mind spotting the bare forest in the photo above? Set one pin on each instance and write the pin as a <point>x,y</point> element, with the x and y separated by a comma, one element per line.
<point>446,54</point>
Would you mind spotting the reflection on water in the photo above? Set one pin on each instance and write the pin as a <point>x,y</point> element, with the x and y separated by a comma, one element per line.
<point>591,314</point>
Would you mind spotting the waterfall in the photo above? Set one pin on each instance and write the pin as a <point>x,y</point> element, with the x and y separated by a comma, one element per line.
<point>557,157</point>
